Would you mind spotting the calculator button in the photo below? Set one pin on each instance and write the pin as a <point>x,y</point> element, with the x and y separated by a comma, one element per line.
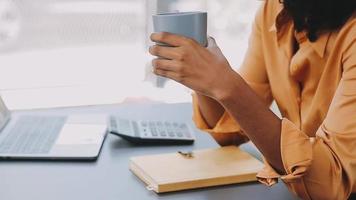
<point>136,130</point>
<point>168,127</point>
<point>154,132</point>
<point>185,129</point>
<point>179,134</point>
<point>183,126</point>
<point>145,131</point>
<point>144,124</point>
<point>159,125</point>
<point>162,133</point>
<point>171,133</point>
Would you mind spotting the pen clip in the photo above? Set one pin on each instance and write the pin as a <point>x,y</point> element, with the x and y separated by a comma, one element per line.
<point>188,154</point>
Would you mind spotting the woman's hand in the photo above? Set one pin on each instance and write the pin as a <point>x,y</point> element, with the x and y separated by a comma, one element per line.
<point>204,70</point>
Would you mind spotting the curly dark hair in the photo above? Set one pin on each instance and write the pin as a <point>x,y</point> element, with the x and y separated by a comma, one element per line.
<point>317,16</point>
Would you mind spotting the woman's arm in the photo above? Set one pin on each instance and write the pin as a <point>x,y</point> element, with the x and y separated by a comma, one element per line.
<point>209,73</point>
<point>259,123</point>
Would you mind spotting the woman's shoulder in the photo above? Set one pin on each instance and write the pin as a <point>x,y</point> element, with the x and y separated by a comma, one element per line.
<point>350,26</point>
<point>345,43</point>
<point>346,35</point>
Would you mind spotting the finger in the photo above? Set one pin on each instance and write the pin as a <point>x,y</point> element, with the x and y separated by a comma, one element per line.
<point>164,64</point>
<point>211,42</point>
<point>164,52</point>
<point>167,74</point>
<point>171,39</point>
<point>212,46</point>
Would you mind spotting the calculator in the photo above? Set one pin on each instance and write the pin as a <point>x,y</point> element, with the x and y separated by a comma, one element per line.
<point>151,131</point>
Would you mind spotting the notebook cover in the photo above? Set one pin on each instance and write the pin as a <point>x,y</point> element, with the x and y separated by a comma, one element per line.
<point>210,167</point>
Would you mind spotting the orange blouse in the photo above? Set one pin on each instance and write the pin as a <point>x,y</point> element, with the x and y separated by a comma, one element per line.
<point>315,90</point>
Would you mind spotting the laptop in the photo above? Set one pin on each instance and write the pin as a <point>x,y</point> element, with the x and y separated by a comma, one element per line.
<point>50,136</point>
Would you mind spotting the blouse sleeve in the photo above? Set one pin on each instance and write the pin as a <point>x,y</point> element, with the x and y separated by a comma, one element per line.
<point>254,73</point>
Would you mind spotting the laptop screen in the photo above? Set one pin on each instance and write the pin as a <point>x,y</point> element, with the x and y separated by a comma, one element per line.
<point>4,114</point>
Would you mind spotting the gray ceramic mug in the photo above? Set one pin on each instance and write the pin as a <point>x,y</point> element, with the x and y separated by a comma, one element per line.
<point>189,24</point>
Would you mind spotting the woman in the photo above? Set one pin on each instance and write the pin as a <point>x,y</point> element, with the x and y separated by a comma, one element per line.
<point>302,54</point>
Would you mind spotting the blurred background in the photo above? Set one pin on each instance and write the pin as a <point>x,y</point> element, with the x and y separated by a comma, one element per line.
<point>59,53</point>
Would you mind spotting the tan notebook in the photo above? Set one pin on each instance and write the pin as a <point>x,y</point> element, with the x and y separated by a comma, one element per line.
<point>211,167</point>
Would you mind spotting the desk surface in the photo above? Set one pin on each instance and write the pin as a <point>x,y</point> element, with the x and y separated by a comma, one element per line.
<point>109,177</point>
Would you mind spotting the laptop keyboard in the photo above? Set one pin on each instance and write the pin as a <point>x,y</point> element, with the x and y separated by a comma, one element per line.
<point>32,135</point>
